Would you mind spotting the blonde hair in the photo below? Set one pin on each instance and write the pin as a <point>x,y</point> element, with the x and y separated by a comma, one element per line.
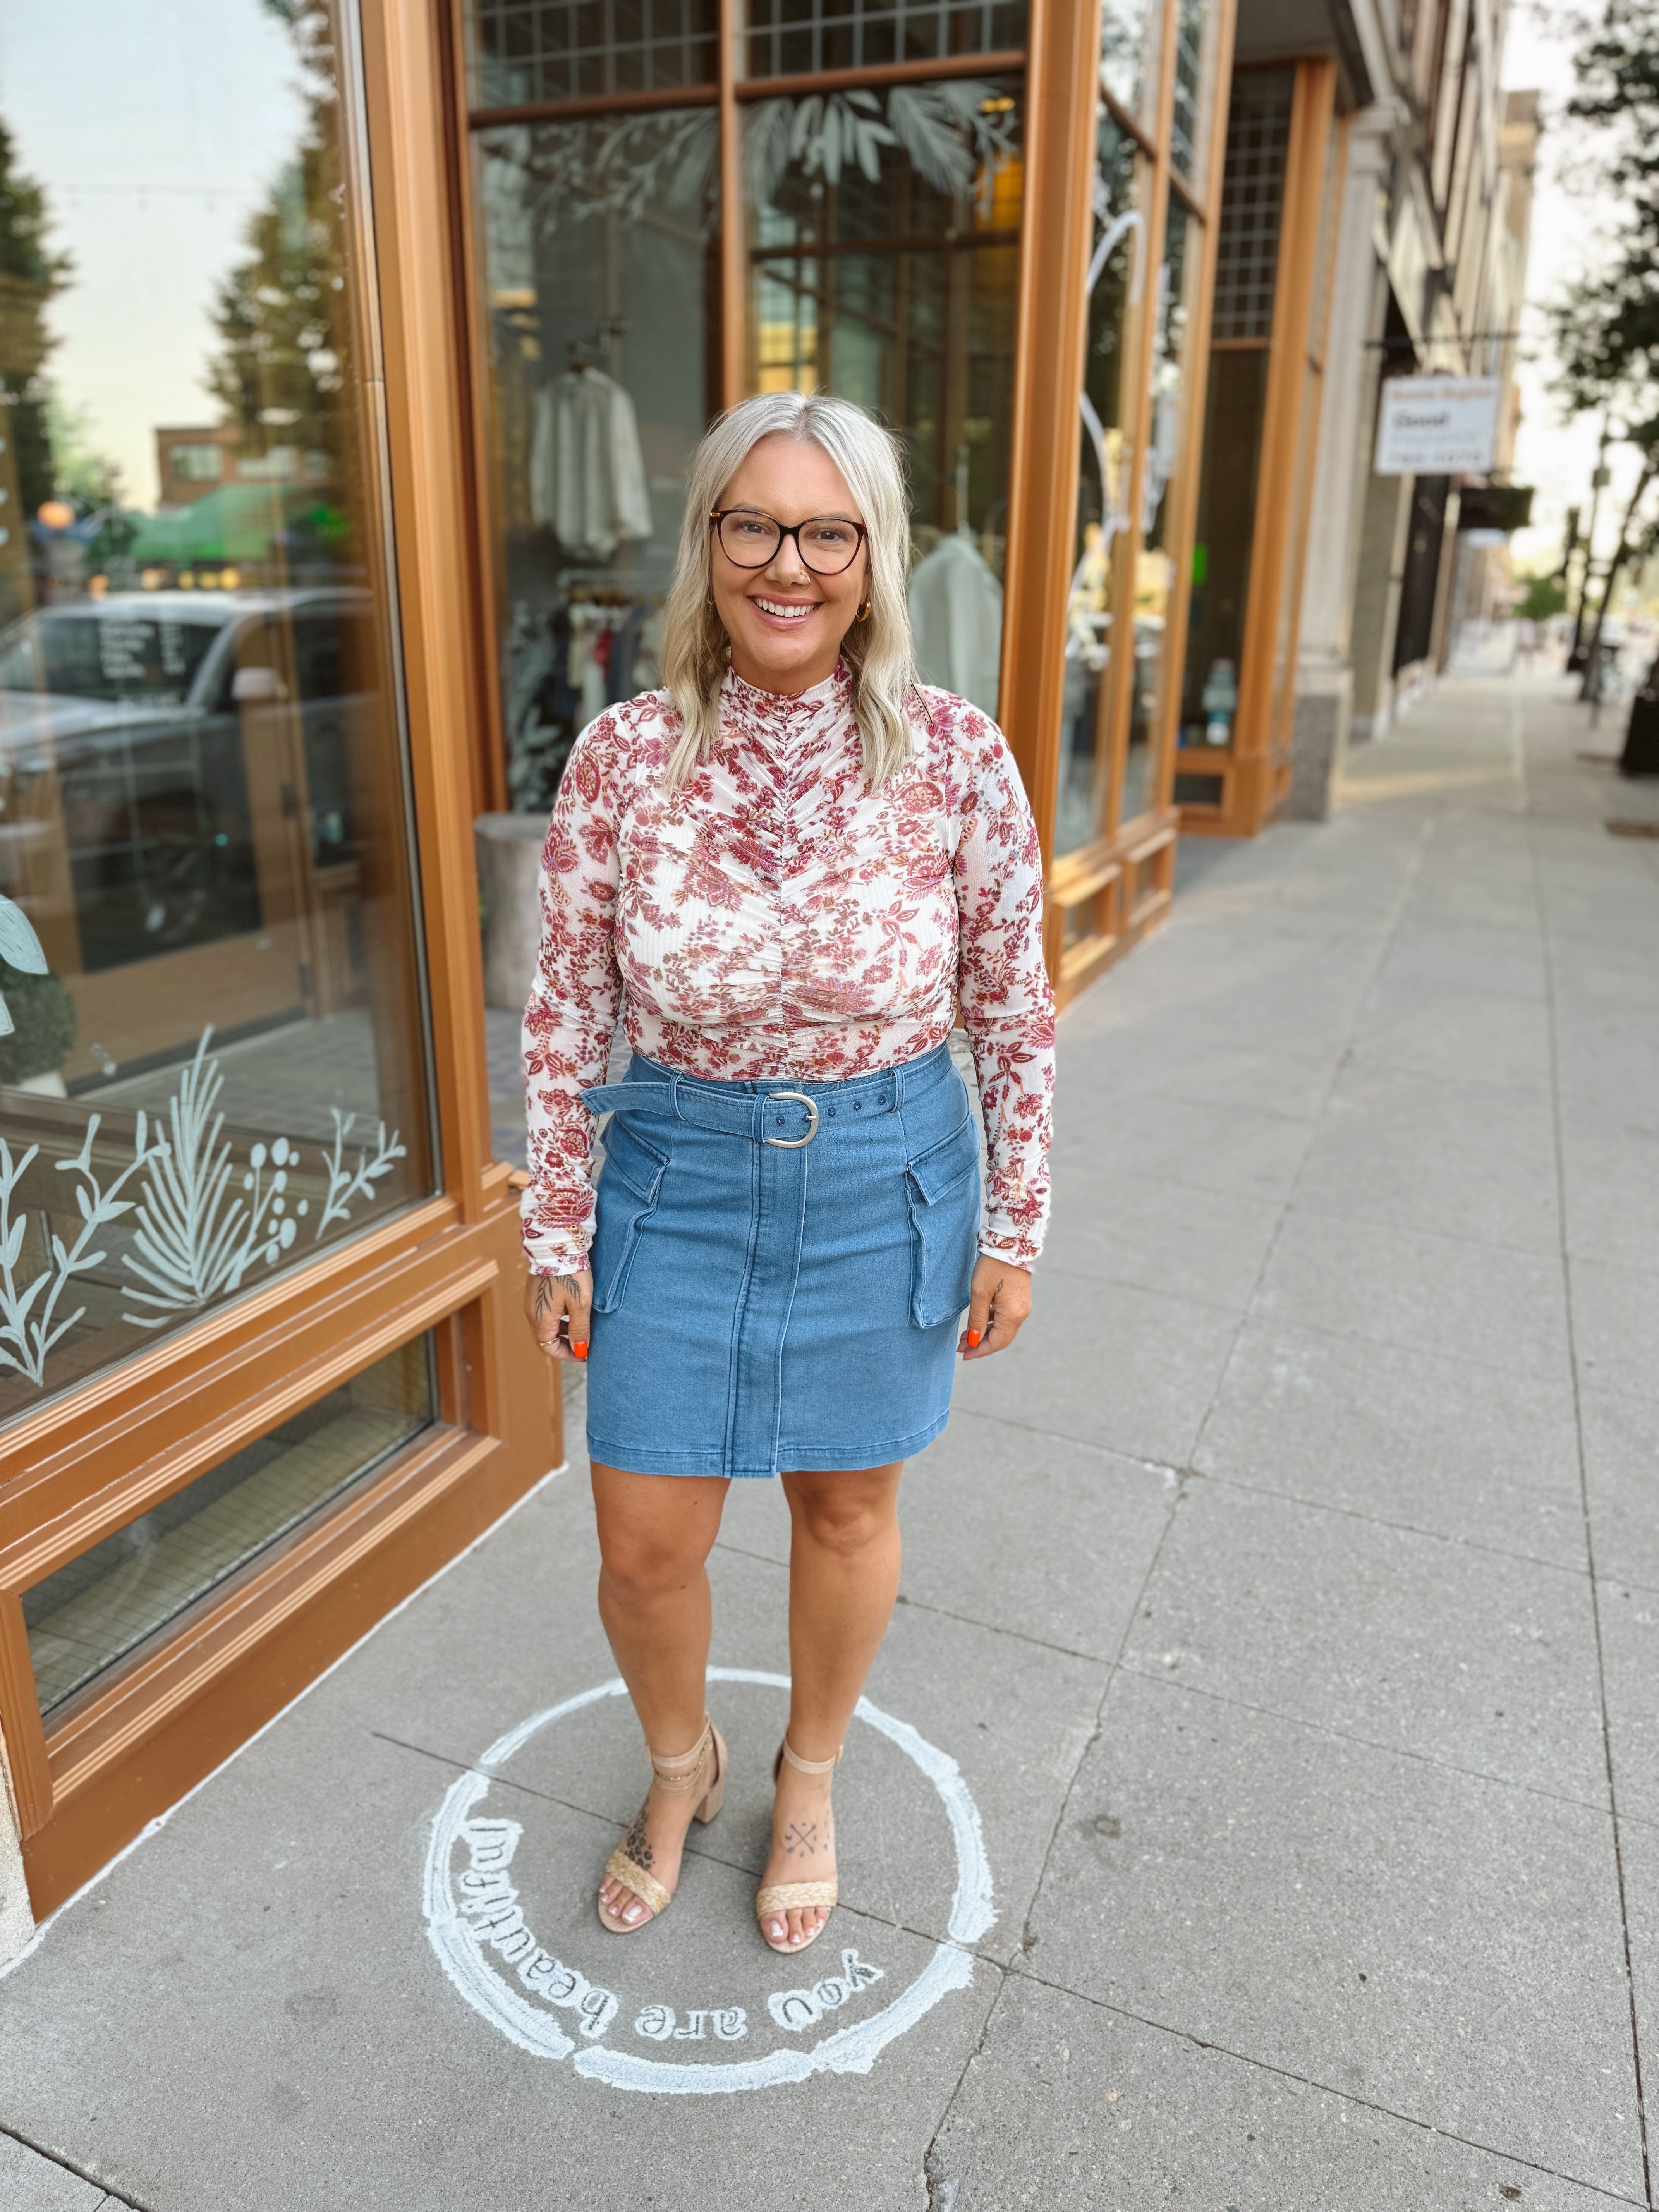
<point>877,651</point>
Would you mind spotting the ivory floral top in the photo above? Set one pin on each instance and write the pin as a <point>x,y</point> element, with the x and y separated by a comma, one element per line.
<point>775,917</point>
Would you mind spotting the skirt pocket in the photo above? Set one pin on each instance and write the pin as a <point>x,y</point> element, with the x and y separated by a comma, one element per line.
<point>942,1186</point>
<point>629,1184</point>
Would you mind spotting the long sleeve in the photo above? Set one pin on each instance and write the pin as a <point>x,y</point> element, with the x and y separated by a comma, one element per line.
<point>1007,1007</point>
<point>574,1003</point>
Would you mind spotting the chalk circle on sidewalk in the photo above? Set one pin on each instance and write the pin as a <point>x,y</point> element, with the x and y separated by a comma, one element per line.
<point>473,1911</point>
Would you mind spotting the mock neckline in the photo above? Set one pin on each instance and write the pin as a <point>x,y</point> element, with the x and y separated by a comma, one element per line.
<point>750,701</point>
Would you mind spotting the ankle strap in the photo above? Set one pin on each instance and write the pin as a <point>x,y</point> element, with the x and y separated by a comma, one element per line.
<point>810,1766</point>
<point>682,1771</point>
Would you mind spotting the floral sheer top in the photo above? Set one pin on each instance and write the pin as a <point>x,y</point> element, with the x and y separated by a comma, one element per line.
<point>775,917</point>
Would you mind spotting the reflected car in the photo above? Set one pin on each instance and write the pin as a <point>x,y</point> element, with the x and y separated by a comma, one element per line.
<point>129,718</point>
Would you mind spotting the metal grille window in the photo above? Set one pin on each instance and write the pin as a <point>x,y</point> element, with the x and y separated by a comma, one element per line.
<point>1190,26</point>
<point>787,36</point>
<point>1252,202</point>
<point>527,50</point>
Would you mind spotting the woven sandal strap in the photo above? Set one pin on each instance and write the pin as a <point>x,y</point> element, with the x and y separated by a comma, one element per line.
<point>684,1771</point>
<point>644,1885</point>
<point>795,1897</point>
<point>809,1766</point>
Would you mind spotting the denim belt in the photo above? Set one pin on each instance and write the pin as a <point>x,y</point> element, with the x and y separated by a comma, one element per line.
<point>786,1119</point>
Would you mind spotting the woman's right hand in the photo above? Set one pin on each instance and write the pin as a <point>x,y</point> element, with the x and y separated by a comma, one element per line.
<point>557,1308</point>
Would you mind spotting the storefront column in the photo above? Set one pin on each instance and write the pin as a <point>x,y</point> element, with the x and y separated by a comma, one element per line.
<point>1324,676</point>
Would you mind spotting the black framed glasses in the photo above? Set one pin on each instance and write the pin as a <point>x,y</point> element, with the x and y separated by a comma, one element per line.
<point>827,544</point>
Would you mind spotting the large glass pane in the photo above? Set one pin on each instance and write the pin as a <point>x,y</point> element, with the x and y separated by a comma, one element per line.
<point>101,1607</point>
<point>211,1060</point>
<point>884,231</point>
<point>600,261</point>
<point>1157,581</point>
<point>1189,126</point>
<point>520,50</point>
<point>1103,577</point>
<point>789,37</point>
<point>1130,33</point>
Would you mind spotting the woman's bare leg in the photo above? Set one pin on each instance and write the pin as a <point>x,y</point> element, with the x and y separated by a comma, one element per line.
<point>656,1532</point>
<point>843,1579</point>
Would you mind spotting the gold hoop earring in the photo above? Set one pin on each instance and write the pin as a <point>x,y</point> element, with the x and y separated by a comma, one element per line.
<point>863,614</point>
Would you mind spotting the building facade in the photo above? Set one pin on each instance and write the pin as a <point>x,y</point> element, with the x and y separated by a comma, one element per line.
<point>341,465</point>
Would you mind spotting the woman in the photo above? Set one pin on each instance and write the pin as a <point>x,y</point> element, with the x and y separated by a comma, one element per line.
<point>785,869</point>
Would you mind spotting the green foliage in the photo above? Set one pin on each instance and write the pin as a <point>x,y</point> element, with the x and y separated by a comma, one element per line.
<point>43,1024</point>
<point>1544,595</point>
<point>30,275</point>
<point>279,372</point>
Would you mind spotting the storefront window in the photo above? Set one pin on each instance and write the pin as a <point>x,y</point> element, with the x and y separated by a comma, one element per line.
<point>211,1054</point>
<point>1194,74</point>
<point>1102,569</point>
<point>1130,31</point>
<point>788,38</point>
<point>599,239</point>
<point>524,50</point>
<point>101,1607</point>
<point>885,237</point>
<point>1253,186</point>
<point>1155,580</point>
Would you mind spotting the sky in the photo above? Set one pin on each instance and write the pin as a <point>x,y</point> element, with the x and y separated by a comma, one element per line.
<point>157,128</point>
<point>1556,458</point>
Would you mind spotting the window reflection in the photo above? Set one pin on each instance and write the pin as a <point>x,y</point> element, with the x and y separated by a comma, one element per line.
<point>599,245</point>
<point>885,239</point>
<point>210,1055</point>
<point>1100,579</point>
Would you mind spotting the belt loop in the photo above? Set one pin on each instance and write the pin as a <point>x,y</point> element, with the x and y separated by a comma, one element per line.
<point>674,1095</point>
<point>898,1090</point>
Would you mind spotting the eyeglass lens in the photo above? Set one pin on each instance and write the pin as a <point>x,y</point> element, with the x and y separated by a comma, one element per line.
<point>827,545</point>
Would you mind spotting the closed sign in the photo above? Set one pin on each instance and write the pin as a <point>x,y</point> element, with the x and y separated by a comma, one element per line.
<point>1437,426</point>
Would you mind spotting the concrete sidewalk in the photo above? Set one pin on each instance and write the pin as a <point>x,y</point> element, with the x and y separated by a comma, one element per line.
<point>1259,1809</point>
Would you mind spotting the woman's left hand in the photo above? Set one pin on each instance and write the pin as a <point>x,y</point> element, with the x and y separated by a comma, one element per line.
<point>997,1307</point>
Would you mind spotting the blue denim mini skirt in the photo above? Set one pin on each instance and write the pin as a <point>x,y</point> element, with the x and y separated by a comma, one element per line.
<point>780,1270</point>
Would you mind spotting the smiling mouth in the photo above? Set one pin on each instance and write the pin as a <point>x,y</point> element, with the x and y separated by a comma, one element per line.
<point>783,610</point>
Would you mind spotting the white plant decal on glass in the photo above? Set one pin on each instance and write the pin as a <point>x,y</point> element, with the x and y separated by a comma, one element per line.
<point>202,1225</point>
<point>21,948</point>
<point>954,133</point>
<point>346,1183</point>
<point>28,1327</point>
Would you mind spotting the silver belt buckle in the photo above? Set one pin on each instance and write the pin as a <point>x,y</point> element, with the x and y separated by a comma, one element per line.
<point>794,1144</point>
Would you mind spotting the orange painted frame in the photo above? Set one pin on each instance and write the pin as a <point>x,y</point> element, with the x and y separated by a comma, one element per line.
<point>452,1265</point>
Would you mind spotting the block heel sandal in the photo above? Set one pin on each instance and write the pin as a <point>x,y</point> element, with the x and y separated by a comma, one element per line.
<point>683,1776</point>
<point>796,1896</point>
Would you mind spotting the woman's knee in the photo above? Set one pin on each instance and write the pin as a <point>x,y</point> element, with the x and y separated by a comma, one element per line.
<point>845,1517</point>
<point>638,1568</point>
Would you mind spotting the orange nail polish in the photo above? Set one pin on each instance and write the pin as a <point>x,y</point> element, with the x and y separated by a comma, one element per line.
<point>580,1350</point>
<point>973,1338</point>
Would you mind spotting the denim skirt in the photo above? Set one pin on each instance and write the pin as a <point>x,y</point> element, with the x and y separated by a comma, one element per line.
<point>780,1270</point>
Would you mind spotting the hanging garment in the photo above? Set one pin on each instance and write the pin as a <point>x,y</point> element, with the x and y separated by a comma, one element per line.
<point>955,618</point>
<point>586,470</point>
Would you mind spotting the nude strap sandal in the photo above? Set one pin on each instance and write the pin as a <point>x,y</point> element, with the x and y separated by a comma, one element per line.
<point>683,1775</point>
<point>796,1896</point>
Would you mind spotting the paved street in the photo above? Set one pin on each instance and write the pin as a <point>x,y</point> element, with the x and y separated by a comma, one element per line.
<point>1258,1809</point>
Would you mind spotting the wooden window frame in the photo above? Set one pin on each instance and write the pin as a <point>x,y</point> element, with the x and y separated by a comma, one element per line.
<point>90,1461</point>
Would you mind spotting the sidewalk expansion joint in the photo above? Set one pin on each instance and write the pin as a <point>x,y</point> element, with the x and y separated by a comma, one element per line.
<point>1326,2088</point>
<point>111,2194</point>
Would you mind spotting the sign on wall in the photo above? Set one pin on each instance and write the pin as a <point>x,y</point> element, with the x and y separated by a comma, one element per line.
<point>1437,426</point>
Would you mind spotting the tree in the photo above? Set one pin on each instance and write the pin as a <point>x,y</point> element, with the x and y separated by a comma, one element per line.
<point>278,373</point>
<point>30,276</point>
<point>1606,326</point>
